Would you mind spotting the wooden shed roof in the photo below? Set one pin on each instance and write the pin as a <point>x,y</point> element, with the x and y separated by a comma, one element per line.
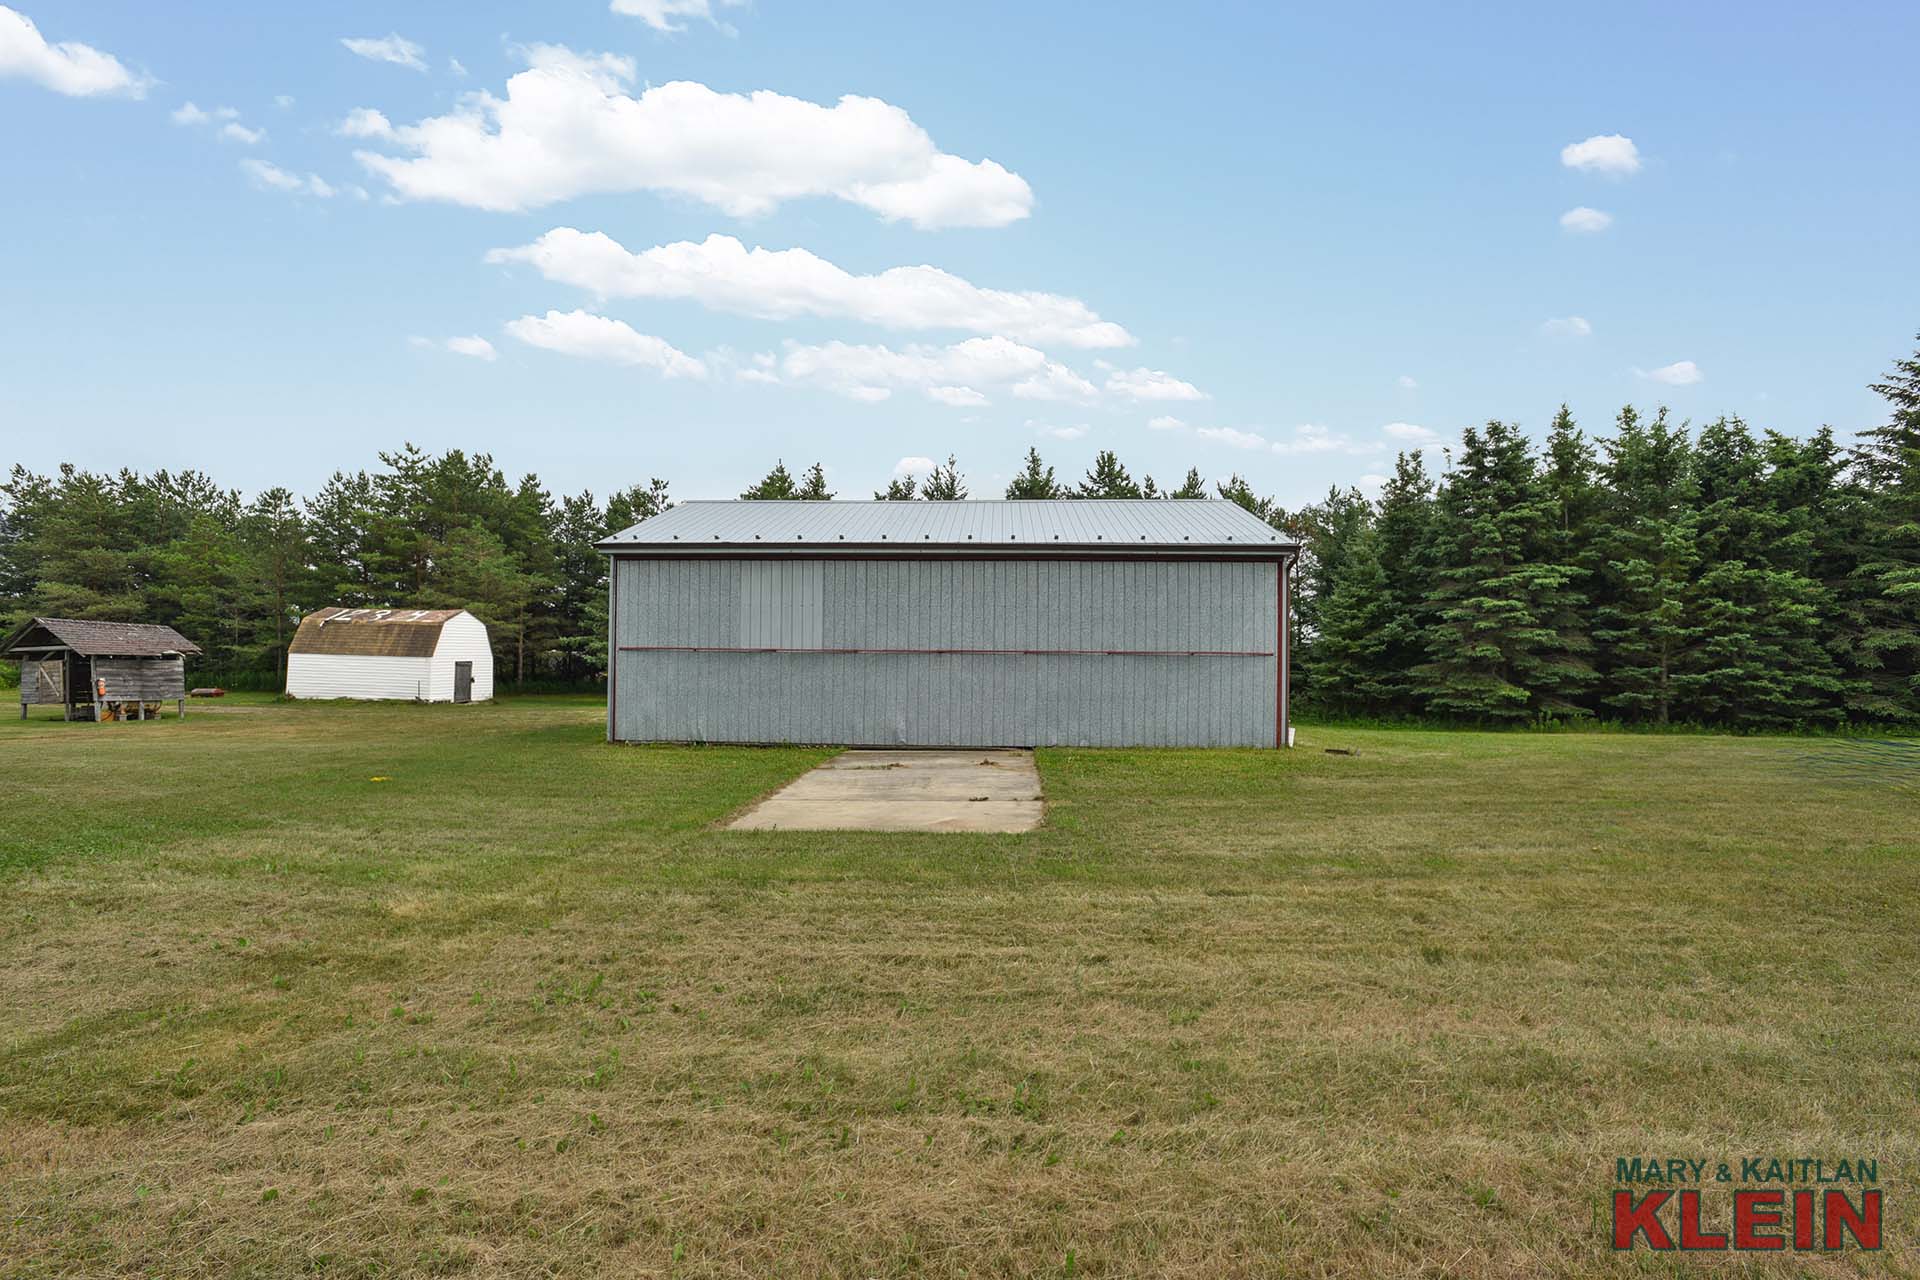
<point>372,633</point>
<point>99,639</point>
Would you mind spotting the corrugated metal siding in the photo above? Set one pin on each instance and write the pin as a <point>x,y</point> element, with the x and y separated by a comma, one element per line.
<point>782,604</point>
<point>1114,522</point>
<point>335,675</point>
<point>943,699</point>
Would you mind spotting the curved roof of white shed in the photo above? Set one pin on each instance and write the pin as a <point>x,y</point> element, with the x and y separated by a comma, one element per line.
<point>1097,526</point>
<point>372,633</point>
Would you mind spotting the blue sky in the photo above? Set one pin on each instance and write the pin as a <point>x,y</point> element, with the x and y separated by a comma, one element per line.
<point>1242,238</point>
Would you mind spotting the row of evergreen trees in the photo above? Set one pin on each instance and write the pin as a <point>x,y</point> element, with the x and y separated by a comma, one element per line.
<point>1724,578</point>
<point>1654,575</point>
<point>236,576</point>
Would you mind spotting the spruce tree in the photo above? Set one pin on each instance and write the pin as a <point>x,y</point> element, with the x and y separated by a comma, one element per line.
<point>1883,589</point>
<point>1353,653</point>
<point>1755,660</point>
<point>1505,644</point>
<point>1328,530</point>
<point>1645,541</point>
<point>1404,526</point>
<point>899,489</point>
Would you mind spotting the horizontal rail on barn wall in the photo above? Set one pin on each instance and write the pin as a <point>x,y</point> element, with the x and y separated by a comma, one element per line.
<point>971,653</point>
<point>906,551</point>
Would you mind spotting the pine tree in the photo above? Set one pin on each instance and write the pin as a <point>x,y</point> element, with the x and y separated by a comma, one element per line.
<point>340,523</point>
<point>899,489</point>
<point>1646,539</point>
<point>1107,479</point>
<point>814,487</point>
<point>1035,480</point>
<point>1236,490</point>
<point>1505,645</point>
<point>780,486</point>
<point>776,486</point>
<point>944,483</point>
<point>1193,487</point>
<point>276,539</point>
<point>633,504</point>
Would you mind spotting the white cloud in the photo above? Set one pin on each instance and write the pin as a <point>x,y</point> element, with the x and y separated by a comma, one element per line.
<point>913,466</point>
<point>283,100</point>
<point>1232,436</point>
<point>591,337</point>
<point>1078,431</point>
<point>458,67</point>
<point>873,373</point>
<point>1585,219</point>
<point>364,122</point>
<point>1567,327</point>
<point>1151,384</point>
<point>1411,433</point>
<point>1311,437</point>
<point>394,48</point>
<point>271,177</point>
<point>1165,422</point>
<point>1405,382</point>
<point>660,14</point>
<point>189,114</point>
<point>958,397</point>
<point>472,345</point>
<point>233,131</point>
<point>1681,373</point>
<point>1307,438</point>
<point>1608,153</point>
<point>569,127</point>
<point>778,284</point>
<point>70,68</point>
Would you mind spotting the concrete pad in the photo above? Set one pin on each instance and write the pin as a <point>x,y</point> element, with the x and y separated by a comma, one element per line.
<point>906,791</point>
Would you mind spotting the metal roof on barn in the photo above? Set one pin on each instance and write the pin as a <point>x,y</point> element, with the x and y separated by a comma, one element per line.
<point>372,633</point>
<point>100,639</point>
<point>1097,526</point>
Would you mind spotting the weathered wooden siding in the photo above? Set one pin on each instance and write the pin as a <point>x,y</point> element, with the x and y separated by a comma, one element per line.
<point>946,652</point>
<point>43,681</point>
<point>141,679</point>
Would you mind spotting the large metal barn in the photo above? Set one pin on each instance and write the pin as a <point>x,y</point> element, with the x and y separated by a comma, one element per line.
<point>1081,623</point>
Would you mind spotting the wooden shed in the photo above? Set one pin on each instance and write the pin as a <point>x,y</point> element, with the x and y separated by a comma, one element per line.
<point>99,670</point>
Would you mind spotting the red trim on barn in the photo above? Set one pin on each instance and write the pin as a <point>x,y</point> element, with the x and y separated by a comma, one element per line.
<point>993,653</point>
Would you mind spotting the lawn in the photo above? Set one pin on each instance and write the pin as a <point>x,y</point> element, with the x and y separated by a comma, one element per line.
<point>363,990</point>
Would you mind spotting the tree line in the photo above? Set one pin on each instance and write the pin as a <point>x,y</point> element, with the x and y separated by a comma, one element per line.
<point>1651,575</point>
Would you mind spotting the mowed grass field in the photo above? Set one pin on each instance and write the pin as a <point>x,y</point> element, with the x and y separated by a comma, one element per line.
<point>518,1007</point>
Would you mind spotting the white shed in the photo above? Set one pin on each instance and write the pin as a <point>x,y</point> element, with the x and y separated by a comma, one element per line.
<point>413,655</point>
